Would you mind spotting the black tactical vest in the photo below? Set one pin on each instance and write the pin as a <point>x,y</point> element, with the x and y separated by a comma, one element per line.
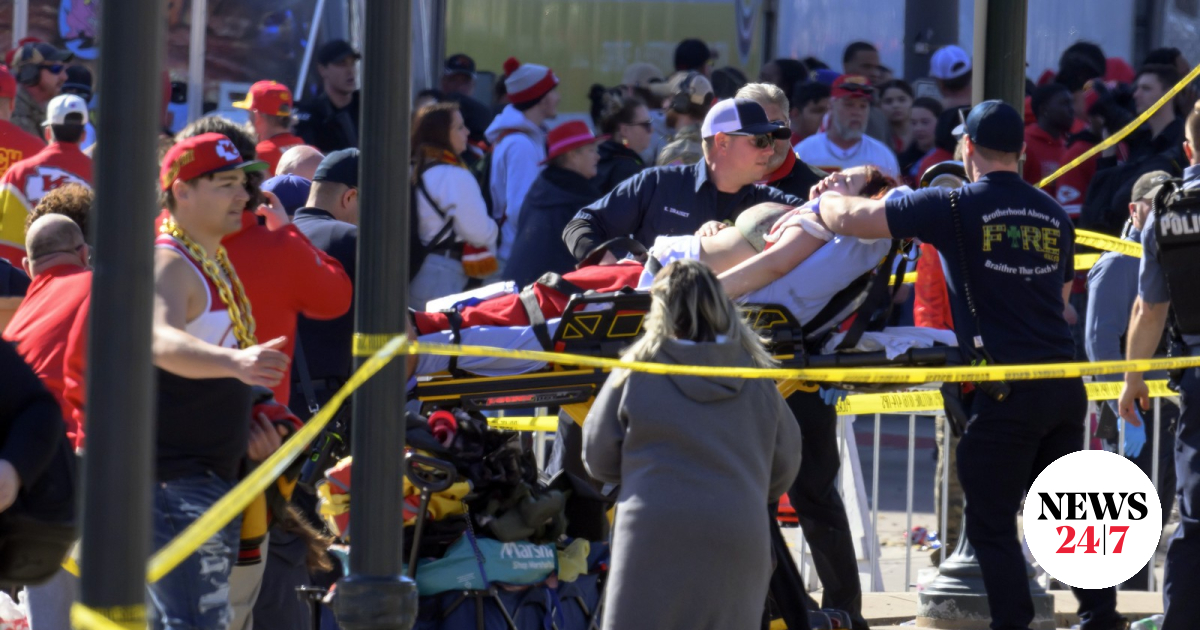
<point>1177,228</point>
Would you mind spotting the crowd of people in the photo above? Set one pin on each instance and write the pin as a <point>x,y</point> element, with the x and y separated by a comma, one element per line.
<point>255,272</point>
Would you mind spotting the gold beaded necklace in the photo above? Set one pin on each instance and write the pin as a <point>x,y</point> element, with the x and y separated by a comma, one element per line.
<point>231,291</point>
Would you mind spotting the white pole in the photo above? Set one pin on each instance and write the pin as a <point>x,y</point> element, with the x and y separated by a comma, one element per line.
<point>20,20</point>
<point>196,53</point>
<point>308,51</point>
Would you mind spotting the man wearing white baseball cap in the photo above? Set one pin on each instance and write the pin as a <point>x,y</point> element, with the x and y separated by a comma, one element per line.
<point>738,143</point>
<point>950,67</point>
<point>27,181</point>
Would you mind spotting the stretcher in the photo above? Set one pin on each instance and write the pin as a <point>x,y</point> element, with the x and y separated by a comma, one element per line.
<point>603,324</point>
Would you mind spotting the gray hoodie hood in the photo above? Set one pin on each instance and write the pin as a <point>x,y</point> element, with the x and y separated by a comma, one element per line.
<point>706,389</point>
<point>511,118</point>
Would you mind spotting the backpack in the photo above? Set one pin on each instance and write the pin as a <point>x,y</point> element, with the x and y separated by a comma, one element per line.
<point>482,169</point>
<point>417,252</point>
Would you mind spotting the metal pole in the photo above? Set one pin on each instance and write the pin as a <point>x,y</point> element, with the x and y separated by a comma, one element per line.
<point>308,50</point>
<point>875,505</point>
<point>1120,438</point>
<point>196,52</point>
<point>375,596</point>
<point>912,430</point>
<point>999,59</point>
<point>20,26</point>
<point>117,467</point>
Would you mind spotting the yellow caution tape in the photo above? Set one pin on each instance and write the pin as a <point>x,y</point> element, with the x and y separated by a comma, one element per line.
<point>365,345</point>
<point>1108,243</point>
<point>235,502</point>
<point>1083,262</point>
<point>931,400</point>
<point>1128,129</point>
<point>525,423</point>
<point>894,375</point>
<point>861,404</point>
<point>115,618</point>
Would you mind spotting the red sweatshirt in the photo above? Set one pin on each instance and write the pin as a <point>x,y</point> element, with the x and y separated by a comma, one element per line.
<point>271,149</point>
<point>285,276</point>
<point>27,181</point>
<point>54,308</point>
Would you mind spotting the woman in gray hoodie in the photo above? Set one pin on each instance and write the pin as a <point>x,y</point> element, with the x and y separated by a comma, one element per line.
<point>697,460</point>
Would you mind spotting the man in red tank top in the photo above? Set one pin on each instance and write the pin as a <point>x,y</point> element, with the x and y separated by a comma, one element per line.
<point>207,357</point>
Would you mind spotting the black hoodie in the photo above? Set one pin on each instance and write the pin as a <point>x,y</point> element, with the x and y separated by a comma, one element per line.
<point>617,164</point>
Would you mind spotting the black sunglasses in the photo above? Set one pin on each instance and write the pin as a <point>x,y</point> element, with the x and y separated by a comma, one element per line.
<point>54,68</point>
<point>760,141</point>
<point>645,124</point>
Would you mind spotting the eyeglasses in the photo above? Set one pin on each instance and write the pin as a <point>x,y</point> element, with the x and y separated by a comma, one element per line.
<point>54,68</point>
<point>645,124</point>
<point>760,141</point>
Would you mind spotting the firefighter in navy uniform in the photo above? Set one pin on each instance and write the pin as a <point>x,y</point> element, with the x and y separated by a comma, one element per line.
<point>1167,283</point>
<point>1008,250</point>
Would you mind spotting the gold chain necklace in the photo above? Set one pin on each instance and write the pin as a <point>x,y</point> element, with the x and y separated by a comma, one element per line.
<point>231,291</point>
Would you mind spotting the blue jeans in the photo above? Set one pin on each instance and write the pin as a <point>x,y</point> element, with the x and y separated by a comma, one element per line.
<point>195,595</point>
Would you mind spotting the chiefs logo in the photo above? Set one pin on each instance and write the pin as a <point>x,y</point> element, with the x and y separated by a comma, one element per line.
<point>226,150</point>
<point>47,178</point>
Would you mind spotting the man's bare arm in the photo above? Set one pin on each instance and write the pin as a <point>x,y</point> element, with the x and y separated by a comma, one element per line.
<point>855,216</point>
<point>182,354</point>
<point>1146,324</point>
<point>794,247</point>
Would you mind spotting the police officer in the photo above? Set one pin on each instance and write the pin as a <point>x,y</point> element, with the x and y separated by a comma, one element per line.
<point>1008,252</point>
<point>1170,262</point>
<point>1112,289</point>
<point>739,142</point>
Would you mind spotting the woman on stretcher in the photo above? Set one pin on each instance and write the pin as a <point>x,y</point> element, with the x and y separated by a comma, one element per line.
<point>771,256</point>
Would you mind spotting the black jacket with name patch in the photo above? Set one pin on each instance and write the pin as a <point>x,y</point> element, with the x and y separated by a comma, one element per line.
<point>662,201</point>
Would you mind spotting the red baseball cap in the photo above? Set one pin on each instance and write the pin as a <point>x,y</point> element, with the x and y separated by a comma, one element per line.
<point>567,136</point>
<point>8,84</point>
<point>270,98</point>
<point>201,155</point>
<point>851,85</point>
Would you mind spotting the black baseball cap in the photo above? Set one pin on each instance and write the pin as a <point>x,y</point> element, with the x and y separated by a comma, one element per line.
<point>334,51</point>
<point>692,54</point>
<point>741,117</point>
<point>340,167</point>
<point>79,81</point>
<point>460,64</point>
<point>994,125</point>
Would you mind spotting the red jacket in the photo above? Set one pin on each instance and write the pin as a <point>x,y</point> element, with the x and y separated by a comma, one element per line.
<point>932,306</point>
<point>285,276</point>
<point>271,149</point>
<point>54,308</point>
<point>16,144</point>
<point>24,185</point>
<point>1043,156</point>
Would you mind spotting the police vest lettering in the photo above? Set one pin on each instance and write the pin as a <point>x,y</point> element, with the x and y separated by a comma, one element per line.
<point>1177,229</point>
<point>1074,506</point>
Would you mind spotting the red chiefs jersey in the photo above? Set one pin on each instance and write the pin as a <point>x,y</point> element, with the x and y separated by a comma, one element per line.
<point>16,144</point>
<point>27,181</point>
<point>271,149</point>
